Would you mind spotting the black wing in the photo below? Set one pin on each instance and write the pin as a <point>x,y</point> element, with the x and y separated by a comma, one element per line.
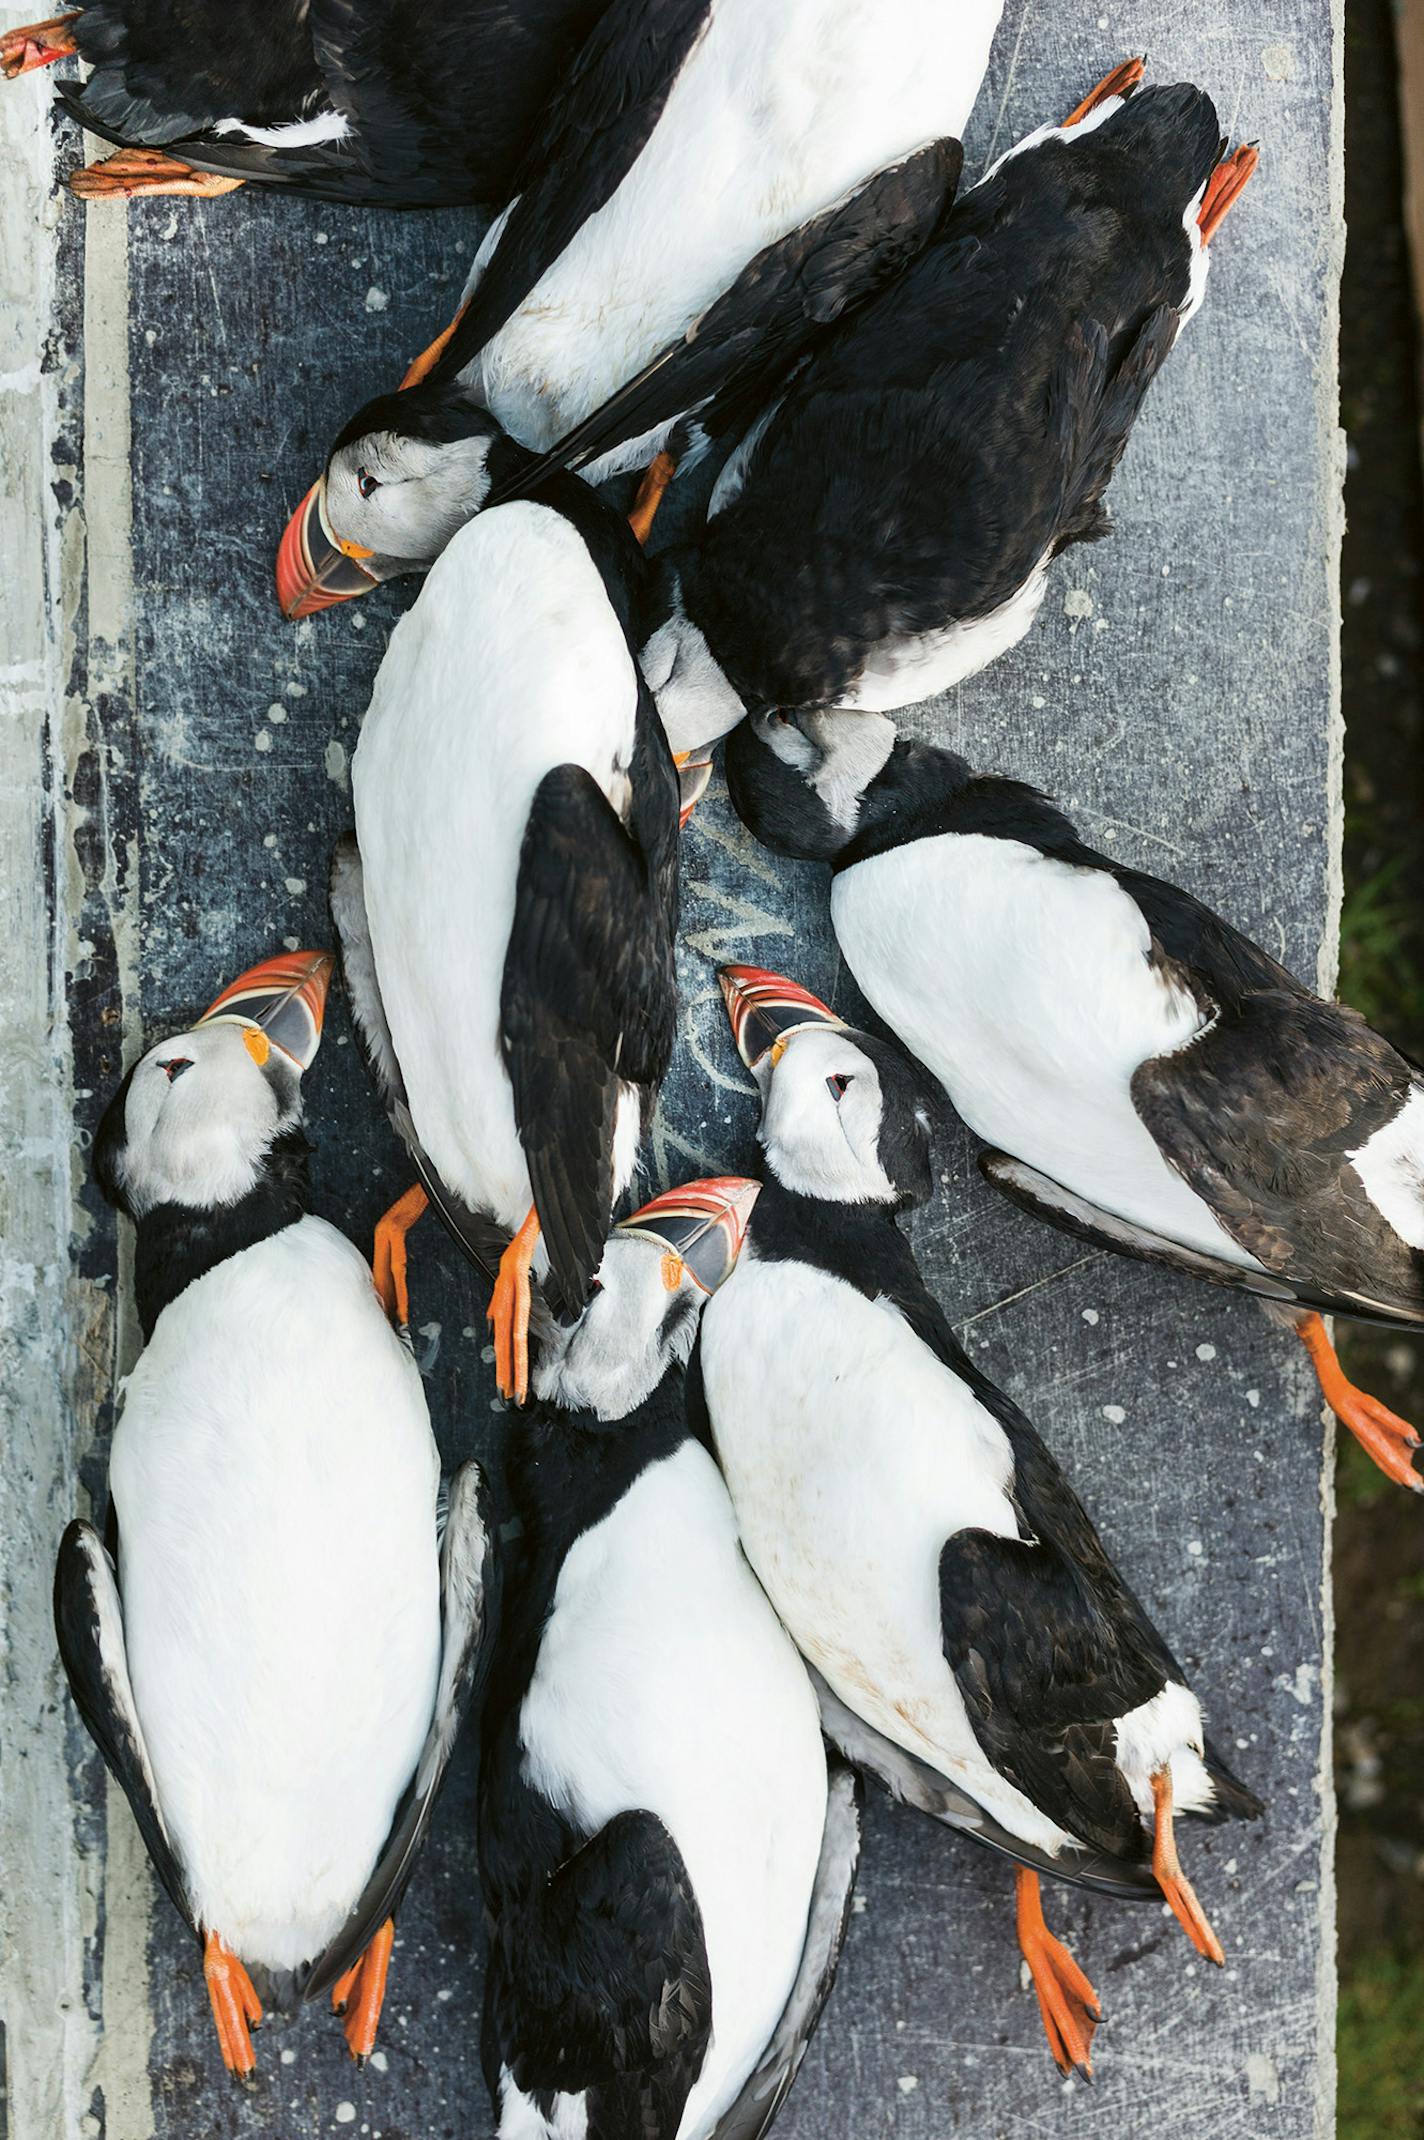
<point>1259,1116</point>
<point>769,2083</point>
<point>167,68</point>
<point>89,1622</point>
<point>757,330</point>
<point>593,133</point>
<point>469,1612</point>
<point>479,1238</point>
<point>598,1977</point>
<point>589,993</point>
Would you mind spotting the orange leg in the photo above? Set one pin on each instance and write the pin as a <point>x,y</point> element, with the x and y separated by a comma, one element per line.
<point>509,1312</point>
<point>656,477</point>
<point>1066,2000</point>
<point>388,1256</point>
<point>420,367</point>
<point>1381,1433</point>
<point>1172,1880</point>
<point>360,1993</point>
<point>236,2006</point>
<point>37,44</point>
<point>130,172</point>
<point>1224,188</point>
<point>1120,83</point>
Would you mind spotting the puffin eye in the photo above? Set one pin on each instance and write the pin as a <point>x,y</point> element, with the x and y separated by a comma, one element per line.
<point>366,482</point>
<point>837,1085</point>
<point>175,1066</point>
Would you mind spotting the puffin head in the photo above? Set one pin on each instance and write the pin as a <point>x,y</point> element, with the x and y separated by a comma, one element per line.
<point>403,477</point>
<point>845,1118</point>
<point>660,1266</point>
<point>196,1120</point>
<point>798,780</point>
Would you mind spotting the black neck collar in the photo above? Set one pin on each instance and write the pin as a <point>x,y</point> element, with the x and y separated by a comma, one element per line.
<point>177,1244</point>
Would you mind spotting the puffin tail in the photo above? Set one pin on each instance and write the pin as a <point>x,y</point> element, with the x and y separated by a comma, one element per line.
<point>1171,131</point>
<point>1232,1800</point>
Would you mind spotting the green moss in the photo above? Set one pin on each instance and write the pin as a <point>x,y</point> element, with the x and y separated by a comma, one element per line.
<point>1381,2073</point>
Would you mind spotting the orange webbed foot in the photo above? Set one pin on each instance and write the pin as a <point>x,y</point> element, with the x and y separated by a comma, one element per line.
<point>1173,1881</point>
<point>1120,83</point>
<point>1382,1434</point>
<point>237,2010</point>
<point>1066,2000</point>
<point>360,1993</point>
<point>131,172</point>
<point>1224,188</point>
<point>656,477</point>
<point>36,44</point>
<point>390,1254</point>
<point>509,1312</point>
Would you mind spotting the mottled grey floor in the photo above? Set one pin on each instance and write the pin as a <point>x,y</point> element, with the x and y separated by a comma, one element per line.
<point>1176,695</point>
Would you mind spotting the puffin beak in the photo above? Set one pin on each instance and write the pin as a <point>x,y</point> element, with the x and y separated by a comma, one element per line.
<point>281,1003</point>
<point>316,568</point>
<point>694,771</point>
<point>766,1009</point>
<point>700,1228</point>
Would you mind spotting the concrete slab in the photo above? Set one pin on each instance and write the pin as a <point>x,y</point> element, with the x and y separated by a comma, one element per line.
<point>176,769</point>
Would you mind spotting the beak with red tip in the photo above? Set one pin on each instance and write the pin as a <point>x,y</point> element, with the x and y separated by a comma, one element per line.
<point>700,1227</point>
<point>766,1009</point>
<point>316,568</point>
<point>694,771</point>
<point>280,1003</point>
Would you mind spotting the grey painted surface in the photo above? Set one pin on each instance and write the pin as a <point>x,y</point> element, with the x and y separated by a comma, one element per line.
<point>189,777</point>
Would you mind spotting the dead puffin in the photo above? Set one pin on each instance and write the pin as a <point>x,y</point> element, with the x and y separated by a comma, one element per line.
<point>271,1648</point>
<point>398,103</point>
<point>717,180</point>
<point>886,525</point>
<point>666,1872</point>
<point>1143,1074</point>
<point>506,909</point>
<point>923,1548</point>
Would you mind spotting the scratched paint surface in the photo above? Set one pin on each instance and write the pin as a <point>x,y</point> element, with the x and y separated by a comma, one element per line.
<point>1176,697</point>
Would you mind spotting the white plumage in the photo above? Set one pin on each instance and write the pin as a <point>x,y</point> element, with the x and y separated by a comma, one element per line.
<point>275,1480</point>
<point>712,1727</point>
<point>511,663</point>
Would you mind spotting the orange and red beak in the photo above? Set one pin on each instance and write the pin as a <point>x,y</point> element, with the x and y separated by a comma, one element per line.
<point>316,568</point>
<point>701,1226</point>
<point>281,1003</point>
<point>766,1009</point>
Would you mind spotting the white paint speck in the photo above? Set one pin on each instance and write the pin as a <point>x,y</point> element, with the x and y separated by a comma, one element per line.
<point>1114,1414</point>
<point>346,2113</point>
<point>380,2062</point>
<point>1195,1548</point>
<point>1077,604</point>
<point>1038,702</point>
<point>1206,1352</point>
<point>1279,63</point>
<point>295,885</point>
<point>323,237</point>
<point>1263,2083</point>
<point>858,1906</point>
<point>908,2083</point>
<point>334,760</point>
<point>262,740</point>
<point>1090,1316</point>
<point>376,300</point>
<point>269,839</point>
<point>289,2056</point>
<point>295,690</point>
<point>1253,1398</point>
<point>277,712</point>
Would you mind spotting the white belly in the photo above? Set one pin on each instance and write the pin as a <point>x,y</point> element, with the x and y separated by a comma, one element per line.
<point>1023,984</point>
<point>512,662</point>
<point>851,1455</point>
<point>715,1732</point>
<point>275,1479</point>
<point>903,671</point>
<point>778,112</point>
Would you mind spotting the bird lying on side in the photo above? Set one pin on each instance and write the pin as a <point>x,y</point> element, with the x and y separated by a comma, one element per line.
<point>271,1650</point>
<point>713,185</point>
<point>667,1875</point>
<point>506,910</point>
<point>886,525</point>
<point>393,102</point>
<point>921,1545</point>
<point>1144,1075</point>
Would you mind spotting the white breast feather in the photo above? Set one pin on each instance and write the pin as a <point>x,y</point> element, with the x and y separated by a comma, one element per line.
<point>275,1478</point>
<point>852,1454</point>
<point>714,1731</point>
<point>777,113</point>
<point>1023,983</point>
<point>511,662</point>
<point>1391,1166</point>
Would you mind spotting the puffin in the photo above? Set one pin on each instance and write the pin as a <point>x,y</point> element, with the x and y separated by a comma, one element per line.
<point>666,1860</point>
<point>1142,1074</point>
<point>394,103</point>
<point>716,180</point>
<point>507,903</point>
<point>924,1550</point>
<point>272,1647</point>
<point>886,522</point>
